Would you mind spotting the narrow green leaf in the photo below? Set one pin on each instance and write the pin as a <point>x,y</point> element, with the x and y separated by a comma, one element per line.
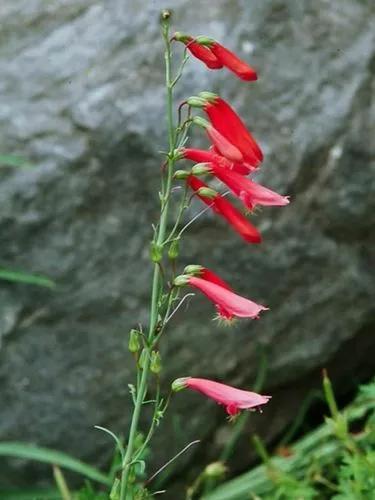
<point>29,279</point>
<point>30,494</point>
<point>14,161</point>
<point>21,450</point>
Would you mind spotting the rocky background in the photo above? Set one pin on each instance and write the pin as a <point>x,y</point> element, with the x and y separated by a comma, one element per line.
<point>81,96</point>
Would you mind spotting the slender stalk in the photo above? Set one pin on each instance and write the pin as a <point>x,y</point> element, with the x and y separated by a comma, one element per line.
<point>156,282</point>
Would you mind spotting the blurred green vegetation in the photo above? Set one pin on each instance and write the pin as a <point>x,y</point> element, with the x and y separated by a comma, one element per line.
<point>335,461</point>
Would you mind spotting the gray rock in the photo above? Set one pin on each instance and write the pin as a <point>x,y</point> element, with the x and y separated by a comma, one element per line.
<point>81,95</point>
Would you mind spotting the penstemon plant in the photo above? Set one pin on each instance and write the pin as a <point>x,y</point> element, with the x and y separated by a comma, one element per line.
<point>232,157</point>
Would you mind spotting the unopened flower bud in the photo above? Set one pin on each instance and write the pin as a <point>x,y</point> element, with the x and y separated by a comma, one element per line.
<point>134,344</point>
<point>193,269</point>
<point>181,174</point>
<point>115,491</point>
<point>165,14</point>
<point>181,280</point>
<point>215,470</point>
<point>207,192</point>
<point>201,168</point>
<point>142,358</point>
<point>174,249</point>
<point>156,252</point>
<point>196,102</point>
<point>179,384</point>
<point>155,365</point>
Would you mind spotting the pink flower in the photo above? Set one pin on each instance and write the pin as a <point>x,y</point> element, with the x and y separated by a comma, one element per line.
<point>233,399</point>
<point>249,192</point>
<point>208,275</point>
<point>228,304</point>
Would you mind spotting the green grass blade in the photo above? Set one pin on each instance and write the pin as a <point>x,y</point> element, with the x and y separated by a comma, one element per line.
<point>14,161</point>
<point>30,452</point>
<point>30,494</point>
<point>29,279</point>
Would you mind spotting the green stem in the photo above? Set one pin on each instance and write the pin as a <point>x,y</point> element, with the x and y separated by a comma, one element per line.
<point>162,227</point>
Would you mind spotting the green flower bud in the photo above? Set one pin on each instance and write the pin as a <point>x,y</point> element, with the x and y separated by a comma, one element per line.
<point>115,491</point>
<point>134,344</point>
<point>174,249</point>
<point>207,192</point>
<point>215,470</point>
<point>155,365</point>
<point>181,175</point>
<point>156,252</point>
<point>142,358</point>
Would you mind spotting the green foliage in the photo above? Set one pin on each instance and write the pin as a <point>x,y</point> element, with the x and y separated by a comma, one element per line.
<point>21,450</point>
<point>26,278</point>
<point>14,161</point>
<point>30,494</point>
<point>330,462</point>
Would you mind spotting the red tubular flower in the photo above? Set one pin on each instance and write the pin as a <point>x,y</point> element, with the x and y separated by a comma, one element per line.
<point>203,156</point>
<point>199,51</point>
<point>210,276</point>
<point>227,303</point>
<point>233,62</point>
<point>215,56</point>
<point>223,146</point>
<point>221,143</point>
<point>249,192</point>
<point>226,210</point>
<point>229,124</point>
<point>241,168</point>
<point>203,54</point>
<point>233,399</point>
